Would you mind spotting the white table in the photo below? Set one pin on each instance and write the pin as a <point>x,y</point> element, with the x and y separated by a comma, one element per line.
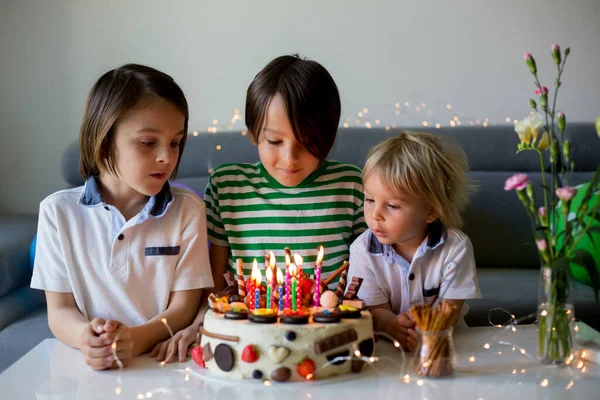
<point>53,371</point>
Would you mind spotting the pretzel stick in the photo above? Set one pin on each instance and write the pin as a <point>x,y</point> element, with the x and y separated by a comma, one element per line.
<point>219,336</point>
<point>338,271</point>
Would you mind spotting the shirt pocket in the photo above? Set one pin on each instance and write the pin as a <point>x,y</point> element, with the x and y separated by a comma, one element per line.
<point>161,251</point>
<point>431,292</point>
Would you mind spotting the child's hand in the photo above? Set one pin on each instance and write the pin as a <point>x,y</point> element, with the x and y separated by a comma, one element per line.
<point>178,345</point>
<point>405,332</point>
<point>97,351</point>
<point>120,334</point>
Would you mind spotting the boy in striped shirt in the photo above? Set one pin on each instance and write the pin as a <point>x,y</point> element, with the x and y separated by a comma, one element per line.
<point>294,197</point>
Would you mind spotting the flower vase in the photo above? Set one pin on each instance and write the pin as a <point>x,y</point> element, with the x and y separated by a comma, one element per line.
<point>555,318</point>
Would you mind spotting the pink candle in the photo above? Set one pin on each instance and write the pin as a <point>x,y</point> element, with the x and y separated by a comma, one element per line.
<point>299,277</point>
<point>317,296</point>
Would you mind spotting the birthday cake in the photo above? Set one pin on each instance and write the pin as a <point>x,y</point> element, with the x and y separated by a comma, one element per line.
<point>262,332</point>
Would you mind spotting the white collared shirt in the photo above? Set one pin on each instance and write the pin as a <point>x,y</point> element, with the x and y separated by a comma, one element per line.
<point>117,269</point>
<point>441,265</point>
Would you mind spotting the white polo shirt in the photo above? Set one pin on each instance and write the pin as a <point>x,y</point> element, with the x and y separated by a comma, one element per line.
<point>117,269</point>
<point>443,264</point>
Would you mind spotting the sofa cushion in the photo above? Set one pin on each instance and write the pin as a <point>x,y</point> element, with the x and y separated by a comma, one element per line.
<point>16,232</point>
<point>516,291</point>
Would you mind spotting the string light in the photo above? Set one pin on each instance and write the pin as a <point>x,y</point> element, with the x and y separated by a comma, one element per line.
<point>237,117</point>
<point>570,385</point>
<point>544,383</point>
<point>218,147</point>
<point>486,346</point>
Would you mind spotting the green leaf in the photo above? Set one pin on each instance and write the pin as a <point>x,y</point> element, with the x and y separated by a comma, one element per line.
<point>586,260</point>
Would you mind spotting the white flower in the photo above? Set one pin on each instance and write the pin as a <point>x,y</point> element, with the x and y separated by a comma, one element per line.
<point>529,128</point>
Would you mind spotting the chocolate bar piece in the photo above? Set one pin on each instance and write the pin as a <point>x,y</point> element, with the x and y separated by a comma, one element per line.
<point>353,289</point>
<point>230,279</point>
<point>207,353</point>
<point>335,341</point>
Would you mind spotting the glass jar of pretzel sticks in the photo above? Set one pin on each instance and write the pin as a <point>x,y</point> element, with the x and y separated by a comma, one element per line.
<point>434,354</point>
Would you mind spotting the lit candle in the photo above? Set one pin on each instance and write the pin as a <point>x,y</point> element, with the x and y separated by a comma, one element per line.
<point>317,297</point>
<point>299,279</point>
<point>280,283</point>
<point>288,282</point>
<point>257,278</point>
<point>269,275</point>
<point>293,288</point>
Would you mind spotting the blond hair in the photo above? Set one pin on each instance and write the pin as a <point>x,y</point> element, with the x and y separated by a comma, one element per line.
<point>430,167</point>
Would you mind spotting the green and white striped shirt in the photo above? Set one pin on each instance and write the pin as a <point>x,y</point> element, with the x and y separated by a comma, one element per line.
<point>250,212</point>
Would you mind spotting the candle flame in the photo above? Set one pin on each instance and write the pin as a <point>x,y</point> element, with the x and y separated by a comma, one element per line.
<point>256,276</point>
<point>287,259</point>
<point>298,260</point>
<point>292,270</point>
<point>279,277</point>
<point>269,275</point>
<point>271,259</point>
<point>320,255</point>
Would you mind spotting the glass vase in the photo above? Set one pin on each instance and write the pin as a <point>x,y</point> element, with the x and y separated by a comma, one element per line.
<point>555,319</point>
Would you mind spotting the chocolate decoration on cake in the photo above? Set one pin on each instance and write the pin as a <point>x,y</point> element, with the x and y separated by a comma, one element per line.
<point>207,353</point>
<point>351,314</point>
<point>358,303</point>
<point>301,319</point>
<point>236,314</point>
<point>366,347</point>
<point>356,365</point>
<point>235,298</point>
<point>335,341</point>
<point>327,317</point>
<point>224,357</point>
<point>290,336</point>
<point>262,317</point>
<point>241,282</point>
<point>332,357</point>
<point>230,279</point>
<point>339,291</point>
<point>353,289</point>
<point>281,374</point>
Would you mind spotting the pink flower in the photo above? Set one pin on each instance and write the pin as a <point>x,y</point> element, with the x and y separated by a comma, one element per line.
<point>544,90</point>
<point>542,212</point>
<point>527,56</point>
<point>542,245</point>
<point>555,48</point>
<point>566,193</point>
<point>537,92</point>
<point>517,181</point>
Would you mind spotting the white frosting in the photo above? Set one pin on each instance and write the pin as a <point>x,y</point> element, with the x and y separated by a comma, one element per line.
<point>266,335</point>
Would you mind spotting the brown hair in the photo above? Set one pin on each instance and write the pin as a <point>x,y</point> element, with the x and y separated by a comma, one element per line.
<point>433,168</point>
<point>115,93</point>
<point>309,95</point>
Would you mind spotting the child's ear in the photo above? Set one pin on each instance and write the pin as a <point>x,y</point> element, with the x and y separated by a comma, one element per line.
<point>431,216</point>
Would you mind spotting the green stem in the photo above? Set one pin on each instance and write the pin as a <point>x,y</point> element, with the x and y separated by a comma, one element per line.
<point>545,189</point>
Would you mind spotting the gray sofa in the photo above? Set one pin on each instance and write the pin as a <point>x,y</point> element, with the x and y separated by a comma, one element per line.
<point>495,220</point>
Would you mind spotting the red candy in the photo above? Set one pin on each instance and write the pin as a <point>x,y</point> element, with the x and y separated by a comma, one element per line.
<point>197,356</point>
<point>306,368</point>
<point>250,354</point>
